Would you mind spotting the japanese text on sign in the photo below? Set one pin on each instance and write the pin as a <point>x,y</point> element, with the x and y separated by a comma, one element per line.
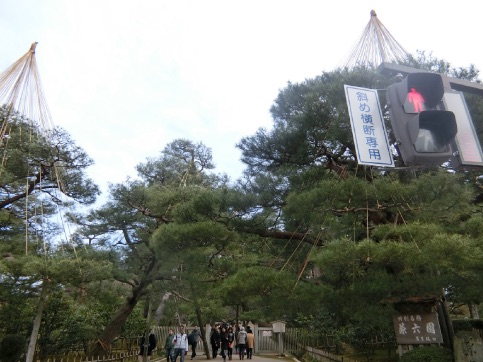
<point>417,329</point>
<point>368,128</point>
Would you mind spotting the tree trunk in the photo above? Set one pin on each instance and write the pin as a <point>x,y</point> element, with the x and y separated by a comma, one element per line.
<point>160,310</point>
<point>200,321</point>
<point>147,332</point>
<point>473,311</point>
<point>237,314</point>
<point>38,319</point>
<point>103,344</point>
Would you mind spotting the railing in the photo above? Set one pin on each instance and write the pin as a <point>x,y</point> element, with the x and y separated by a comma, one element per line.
<point>122,350</point>
<point>323,347</point>
<point>296,338</point>
<point>324,356</point>
<point>121,357</point>
<point>300,341</point>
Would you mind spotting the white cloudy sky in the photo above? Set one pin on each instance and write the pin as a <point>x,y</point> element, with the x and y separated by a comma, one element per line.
<point>125,78</point>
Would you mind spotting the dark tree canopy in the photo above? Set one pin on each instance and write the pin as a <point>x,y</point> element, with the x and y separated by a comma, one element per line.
<point>304,181</point>
<point>37,162</point>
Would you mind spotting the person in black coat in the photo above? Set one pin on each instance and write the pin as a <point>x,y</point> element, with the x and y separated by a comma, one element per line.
<point>151,345</point>
<point>215,340</point>
<point>224,343</point>
<point>193,339</point>
<point>231,341</point>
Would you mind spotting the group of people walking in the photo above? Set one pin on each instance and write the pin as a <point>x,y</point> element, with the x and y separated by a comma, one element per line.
<point>177,344</point>
<point>225,338</point>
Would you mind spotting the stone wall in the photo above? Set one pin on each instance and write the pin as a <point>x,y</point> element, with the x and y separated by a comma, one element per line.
<point>468,347</point>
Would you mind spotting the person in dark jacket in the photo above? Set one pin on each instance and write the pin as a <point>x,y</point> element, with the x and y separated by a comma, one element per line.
<point>193,339</point>
<point>231,342</point>
<point>169,346</point>
<point>215,340</point>
<point>224,343</point>
<point>147,348</point>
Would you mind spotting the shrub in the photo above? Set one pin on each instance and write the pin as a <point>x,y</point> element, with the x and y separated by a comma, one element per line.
<point>12,347</point>
<point>308,358</point>
<point>428,354</point>
<point>467,324</point>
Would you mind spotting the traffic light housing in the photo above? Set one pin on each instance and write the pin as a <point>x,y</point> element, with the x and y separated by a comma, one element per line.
<point>424,130</point>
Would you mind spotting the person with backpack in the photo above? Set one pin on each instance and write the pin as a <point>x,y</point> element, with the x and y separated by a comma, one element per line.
<point>242,342</point>
<point>193,338</point>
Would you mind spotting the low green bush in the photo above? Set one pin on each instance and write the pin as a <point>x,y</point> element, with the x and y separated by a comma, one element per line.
<point>428,354</point>
<point>467,324</point>
<point>308,358</point>
<point>12,347</point>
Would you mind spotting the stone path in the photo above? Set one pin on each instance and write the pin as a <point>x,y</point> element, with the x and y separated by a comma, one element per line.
<point>256,358</point>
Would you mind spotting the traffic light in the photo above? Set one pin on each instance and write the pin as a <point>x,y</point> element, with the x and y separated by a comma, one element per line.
<point>424,130</point>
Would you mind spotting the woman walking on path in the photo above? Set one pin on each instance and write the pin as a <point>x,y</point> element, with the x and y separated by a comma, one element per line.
<point>215,340</point>
<point>223,343</point>
<point>250,343</point>
<point>231,340</point>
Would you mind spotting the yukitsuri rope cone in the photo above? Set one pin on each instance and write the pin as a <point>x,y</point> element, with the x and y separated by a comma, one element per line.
<point>375,46</point>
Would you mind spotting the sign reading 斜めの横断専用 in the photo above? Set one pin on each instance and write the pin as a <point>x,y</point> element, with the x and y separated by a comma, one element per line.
<point>417,328</point>
<point>370,137</point>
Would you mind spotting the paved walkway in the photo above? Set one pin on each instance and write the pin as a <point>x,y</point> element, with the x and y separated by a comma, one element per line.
<point>272,358</point>
<point>256,358</point>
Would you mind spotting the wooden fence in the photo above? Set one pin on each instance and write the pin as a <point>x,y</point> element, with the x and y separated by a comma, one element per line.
<point>118,357</point>
<point>122,350</point>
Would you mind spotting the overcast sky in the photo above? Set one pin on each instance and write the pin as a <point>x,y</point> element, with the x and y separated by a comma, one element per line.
<point>125,78</point>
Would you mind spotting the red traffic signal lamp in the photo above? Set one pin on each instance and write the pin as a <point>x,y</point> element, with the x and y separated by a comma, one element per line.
<point>424,130</point>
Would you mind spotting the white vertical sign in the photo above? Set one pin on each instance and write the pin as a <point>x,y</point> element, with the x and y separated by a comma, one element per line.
<point>370,137</point>
<point>469,148</point>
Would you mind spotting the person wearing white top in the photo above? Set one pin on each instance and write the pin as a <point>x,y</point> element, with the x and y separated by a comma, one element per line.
<point>180,344</point>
